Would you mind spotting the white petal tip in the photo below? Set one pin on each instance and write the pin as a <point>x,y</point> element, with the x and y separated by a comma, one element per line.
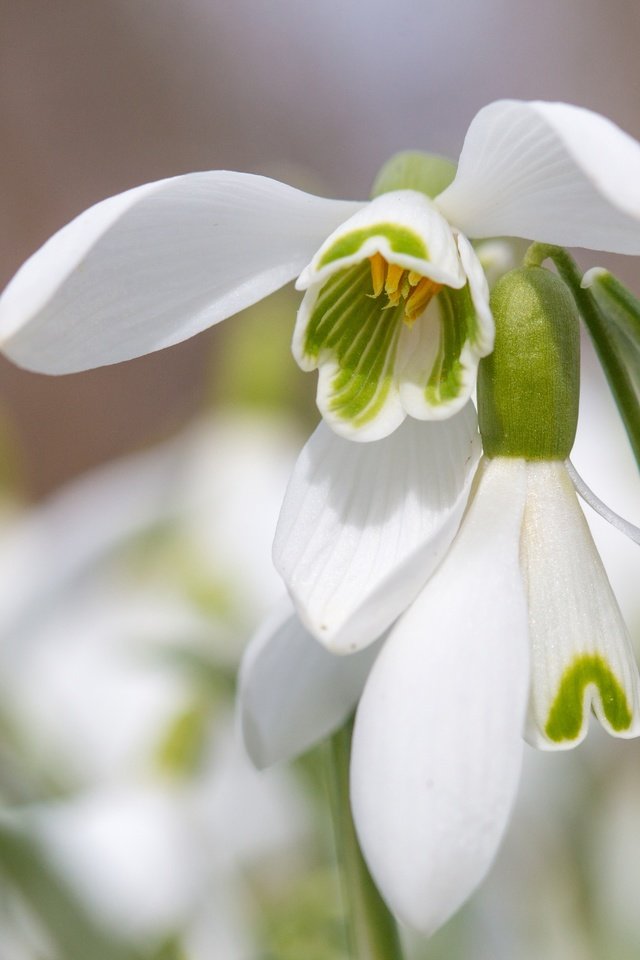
<point>591,276</point>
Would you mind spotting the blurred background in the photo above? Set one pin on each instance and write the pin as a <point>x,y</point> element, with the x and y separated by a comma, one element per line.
<point>132,817</point>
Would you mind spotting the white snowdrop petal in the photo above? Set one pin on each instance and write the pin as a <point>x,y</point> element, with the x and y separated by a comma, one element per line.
<point>158,264</point>
<point>580,647</point>
<point>294,693</point>
<point>549,172</point>
<point>364,525</point>
<point>438,736</point>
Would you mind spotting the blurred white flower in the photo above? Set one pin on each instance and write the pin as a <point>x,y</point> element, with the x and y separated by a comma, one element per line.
<point>95,692</point>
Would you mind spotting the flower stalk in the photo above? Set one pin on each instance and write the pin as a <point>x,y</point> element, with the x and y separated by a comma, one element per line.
<point>616,301</point>
<point>372,932</point>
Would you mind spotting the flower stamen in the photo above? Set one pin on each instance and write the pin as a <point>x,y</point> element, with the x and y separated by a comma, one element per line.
<point>400,284</point>
<point>378,272</point>
<point>394,276</point>
<point>420,298</point>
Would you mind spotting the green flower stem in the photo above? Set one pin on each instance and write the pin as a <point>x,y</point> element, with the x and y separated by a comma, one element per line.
<point>618,303</point>
<point>604,334</point>
<point>371,930</point>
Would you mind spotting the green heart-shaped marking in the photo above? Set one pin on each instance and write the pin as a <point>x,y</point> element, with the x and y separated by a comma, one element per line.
<point>565,716</point>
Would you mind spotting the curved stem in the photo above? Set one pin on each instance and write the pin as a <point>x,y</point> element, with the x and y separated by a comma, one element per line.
<point>371,930</point>
<point>603,335</point>
<point>587,494</point>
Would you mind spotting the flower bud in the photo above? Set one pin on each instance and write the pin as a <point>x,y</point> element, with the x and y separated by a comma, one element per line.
<point>412,170</point>
<point>528,388</point>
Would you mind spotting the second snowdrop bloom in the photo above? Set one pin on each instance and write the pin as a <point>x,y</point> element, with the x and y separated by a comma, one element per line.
<point>395,313</point>
<point>517,632</point>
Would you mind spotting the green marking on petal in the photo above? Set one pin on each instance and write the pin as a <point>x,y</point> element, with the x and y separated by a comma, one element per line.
<point>360,334</point>
<point>565,716</point>
<point>458,325</point>
<point>401,240</point>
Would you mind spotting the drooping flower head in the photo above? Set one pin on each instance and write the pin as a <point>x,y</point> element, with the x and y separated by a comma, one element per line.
<point>515,633</point>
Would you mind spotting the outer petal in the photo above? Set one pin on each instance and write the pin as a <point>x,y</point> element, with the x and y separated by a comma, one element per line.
<point>580,648</point>
<point>438,736</point>
<point>550,172</point>
<point>363,525</point>
<point>157,264</point>
<point>294,693</point>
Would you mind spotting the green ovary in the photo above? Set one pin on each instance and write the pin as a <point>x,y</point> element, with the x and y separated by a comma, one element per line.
<point>401,240</point>
<point>565,716</point>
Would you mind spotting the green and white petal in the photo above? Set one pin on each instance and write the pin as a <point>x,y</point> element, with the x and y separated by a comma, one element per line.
<point>482,333</point>
<point>581,653</point>
<point>405,227</point>
<point>364,525</point>
<point>437,743</point>
<point>549,172</point>
<point>353,338</point>
<point>438,355</point>
<point>292,692</point>
<point>158,264</point>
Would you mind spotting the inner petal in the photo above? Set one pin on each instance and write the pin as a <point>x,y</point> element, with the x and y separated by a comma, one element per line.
<point>352,335</point>
<point>581,651</point>
<point>408,232</point>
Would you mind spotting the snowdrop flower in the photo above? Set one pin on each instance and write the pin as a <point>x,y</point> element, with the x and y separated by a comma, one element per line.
<point>396,318</point>
<point>395,313</point>
<point>93,698</point>
<point>517,631</point>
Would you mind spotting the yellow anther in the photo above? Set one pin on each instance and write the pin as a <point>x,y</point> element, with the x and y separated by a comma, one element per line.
<point>419,299</point>
<point>394,298</point>
<point>394,275</point>
<point>378,273</point>
<point>400,284</point>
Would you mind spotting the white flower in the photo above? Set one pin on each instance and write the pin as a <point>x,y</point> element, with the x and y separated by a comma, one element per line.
<point>91,693</point>
<point>163,261</point>
<point>517,629</point>
<point>396,317</point>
